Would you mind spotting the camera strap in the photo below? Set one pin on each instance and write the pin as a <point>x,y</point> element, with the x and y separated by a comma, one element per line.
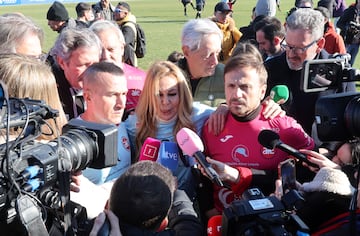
<point>30,215</point>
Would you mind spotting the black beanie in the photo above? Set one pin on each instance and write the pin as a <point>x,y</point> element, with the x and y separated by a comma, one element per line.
<point>57,12</point>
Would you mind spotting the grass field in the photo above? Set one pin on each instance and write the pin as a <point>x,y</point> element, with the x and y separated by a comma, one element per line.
<point>162,21</point>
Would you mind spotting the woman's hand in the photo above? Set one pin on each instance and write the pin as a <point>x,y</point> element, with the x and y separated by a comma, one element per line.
<point>319,159</point>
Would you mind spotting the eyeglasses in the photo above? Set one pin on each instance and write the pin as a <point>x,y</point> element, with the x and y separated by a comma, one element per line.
<point>117,10</point>
<point>297,50</point>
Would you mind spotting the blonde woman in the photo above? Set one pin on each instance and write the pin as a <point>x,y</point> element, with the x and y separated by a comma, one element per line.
<point>26,77</point>
<point>165,106</point>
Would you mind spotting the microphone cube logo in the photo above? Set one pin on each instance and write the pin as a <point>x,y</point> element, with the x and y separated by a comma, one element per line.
<point>150,151</point>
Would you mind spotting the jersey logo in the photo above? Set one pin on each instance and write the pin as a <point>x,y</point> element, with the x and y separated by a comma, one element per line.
<point>268,153</point>
<point>238,152</point>
<point>226,138</point>
<point>125,143</point>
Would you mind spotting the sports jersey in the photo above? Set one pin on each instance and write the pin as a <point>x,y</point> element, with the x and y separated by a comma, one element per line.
<point>237,145</point>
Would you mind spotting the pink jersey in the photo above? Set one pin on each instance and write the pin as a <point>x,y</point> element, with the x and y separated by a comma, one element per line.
<point>237,145</point>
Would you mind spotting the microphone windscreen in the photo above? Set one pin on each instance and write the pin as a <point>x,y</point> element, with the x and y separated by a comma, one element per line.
<point>169,155</point>
<point>189,141</point>
<point>280,92</point>
<point>268,138</point>
<point>214,226</point>
<point>150,149</point>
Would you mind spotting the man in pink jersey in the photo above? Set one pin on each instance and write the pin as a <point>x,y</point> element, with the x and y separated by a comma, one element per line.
<point>235,153</point>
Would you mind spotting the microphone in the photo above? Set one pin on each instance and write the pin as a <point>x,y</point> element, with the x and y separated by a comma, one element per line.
<point>280,94</point>
<point>191,144</point>
<point>271,140</point>
<point>214,226</point>
<point>150,149</point>
<point>169,155</point>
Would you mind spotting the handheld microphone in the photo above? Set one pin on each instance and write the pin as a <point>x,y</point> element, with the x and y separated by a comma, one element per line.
<point>280,94</point>
<point>190,143</point>
<point>169,155</point>
<point>214,226</point>
<point>271,140</point>
<point>150,149</point>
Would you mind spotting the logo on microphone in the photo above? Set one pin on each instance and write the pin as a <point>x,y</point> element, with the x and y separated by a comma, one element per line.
<point>150,151</point>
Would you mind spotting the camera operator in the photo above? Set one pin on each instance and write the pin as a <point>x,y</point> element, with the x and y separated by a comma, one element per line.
<point>146,202</point>
<point>303,41</point>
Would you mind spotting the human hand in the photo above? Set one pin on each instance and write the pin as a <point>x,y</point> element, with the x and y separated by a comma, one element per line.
<point>76,181</point>
<point>319,159</point>
<point>225,172</point>
<point>272,109</point>
<point>216,121</point>
<point>100,220</point>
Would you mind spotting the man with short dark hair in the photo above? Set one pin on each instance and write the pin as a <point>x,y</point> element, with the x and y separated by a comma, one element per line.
<point>84,13</point>
<point>146,202</point>
<point>269,34</point>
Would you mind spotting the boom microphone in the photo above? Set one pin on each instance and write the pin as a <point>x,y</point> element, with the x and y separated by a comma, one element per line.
<point>190,143</point>
<point>214,226</point>
<point>280,94</point>
<point>150,149</point>
<point>271,140</point>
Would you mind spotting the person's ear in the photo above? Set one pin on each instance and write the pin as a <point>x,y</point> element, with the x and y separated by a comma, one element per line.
<point>61,62</point>
<point>185,50</point>
<point>277,40</point>
<point>87,95</point>
<point>163,225</point>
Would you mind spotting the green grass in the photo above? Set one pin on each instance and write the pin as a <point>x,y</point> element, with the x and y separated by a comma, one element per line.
<point>162,21</point>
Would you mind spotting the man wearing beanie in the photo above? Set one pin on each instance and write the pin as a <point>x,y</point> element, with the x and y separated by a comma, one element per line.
<point>58,17</point>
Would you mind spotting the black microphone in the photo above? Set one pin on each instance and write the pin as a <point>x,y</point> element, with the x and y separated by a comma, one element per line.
<point>271,140</point>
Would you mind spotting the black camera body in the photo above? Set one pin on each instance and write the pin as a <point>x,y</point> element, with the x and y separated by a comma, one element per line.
<point>256,214</point>
<point>36,170</point>
<point>336,115</point>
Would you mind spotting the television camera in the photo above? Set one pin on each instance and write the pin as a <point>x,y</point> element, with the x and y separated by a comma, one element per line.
<point>336,115</point>
<point>256,214</point>
<point>35,176</point>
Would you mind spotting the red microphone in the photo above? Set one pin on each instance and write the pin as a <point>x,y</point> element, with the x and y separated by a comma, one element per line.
<point>150,149</point>
<point>214,226</point>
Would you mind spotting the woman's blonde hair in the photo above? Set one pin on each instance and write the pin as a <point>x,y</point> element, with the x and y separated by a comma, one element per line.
<point>146,109</point>
<point>26,77</point>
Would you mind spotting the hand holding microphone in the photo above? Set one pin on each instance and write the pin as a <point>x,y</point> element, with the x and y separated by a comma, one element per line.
<point>191,144</point>
<point>271,140</point>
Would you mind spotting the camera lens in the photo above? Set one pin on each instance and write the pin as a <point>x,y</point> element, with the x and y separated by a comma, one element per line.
<point>351,116</point>
<point>78,147</point>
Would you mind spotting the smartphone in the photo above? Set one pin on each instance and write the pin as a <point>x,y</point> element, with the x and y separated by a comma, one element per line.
<point>287,174</point>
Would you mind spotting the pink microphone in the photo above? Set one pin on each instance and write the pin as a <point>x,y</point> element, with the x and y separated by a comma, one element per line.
<point>150,149</point>
<point>191,144</point>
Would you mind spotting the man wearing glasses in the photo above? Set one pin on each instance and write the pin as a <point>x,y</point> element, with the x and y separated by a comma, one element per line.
<point>303,41</point>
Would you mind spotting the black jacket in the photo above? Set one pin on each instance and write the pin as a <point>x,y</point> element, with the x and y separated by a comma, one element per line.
<point>300,105</point>
<point>183,220</point>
